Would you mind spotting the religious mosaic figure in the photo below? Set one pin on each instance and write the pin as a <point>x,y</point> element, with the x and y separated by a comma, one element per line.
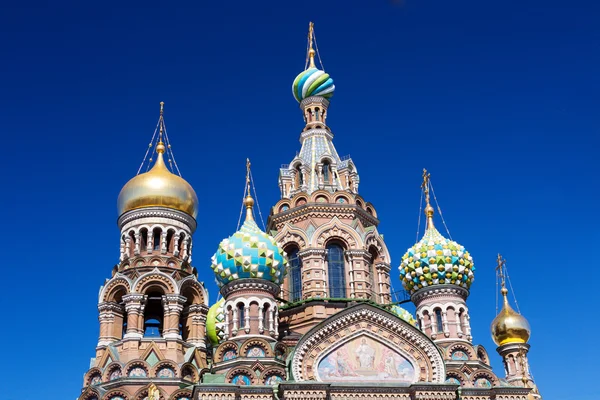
<point>365,355</point>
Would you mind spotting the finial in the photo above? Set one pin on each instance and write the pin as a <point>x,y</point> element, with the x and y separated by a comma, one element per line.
<point>500,262</point>
<point>311,51</point>
<point>248,201</point>
<point>428,208</point>
<point>160,147</point>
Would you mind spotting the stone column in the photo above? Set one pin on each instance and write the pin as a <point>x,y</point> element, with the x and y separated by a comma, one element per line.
<point>458,316</point>
<point>176,244</point>
<point>305,177</point>
<point>247,318</point>
<point>138,244</point>
<point>235,321</point>
<point>261,320</point>
<point>184,250</point>
<point>359,261</point>
<point>197,314</point>
<point>173,306</point>
<point>134,307</point>
<point>163,242</point>
<point>122,249</point>
<point>314,276</point>
<point>445,324</point>
<point>467,326</point>
<point>384,279</point>
<point>107,313</point>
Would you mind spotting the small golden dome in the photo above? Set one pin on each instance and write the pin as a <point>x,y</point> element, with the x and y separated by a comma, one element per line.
<point>509,326</point>
<point>158,188</point>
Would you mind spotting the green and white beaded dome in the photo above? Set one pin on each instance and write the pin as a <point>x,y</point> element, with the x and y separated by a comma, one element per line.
<point>249,253</point>
<point>215,323</point>
<point>435,260</point>
<point>403,314</point>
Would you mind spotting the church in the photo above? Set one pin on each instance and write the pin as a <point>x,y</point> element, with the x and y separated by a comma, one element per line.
<point>305,309</point>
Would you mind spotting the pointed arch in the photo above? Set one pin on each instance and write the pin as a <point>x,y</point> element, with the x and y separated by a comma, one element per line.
<point>336,229</point>
<point>373,238</point>
<point>291,234</point>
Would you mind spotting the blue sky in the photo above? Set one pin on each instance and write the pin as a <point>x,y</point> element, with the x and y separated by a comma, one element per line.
<point>499,100</point>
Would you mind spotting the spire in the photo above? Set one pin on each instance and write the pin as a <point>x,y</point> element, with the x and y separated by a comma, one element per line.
<point>428,208</point>
<point>248,201</point>
<point>160,147</point>
<point>500,262</point>
<point>311,50</point>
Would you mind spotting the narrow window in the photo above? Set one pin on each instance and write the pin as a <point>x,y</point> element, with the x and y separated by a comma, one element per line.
<point>438,320</point>
<point>170,234</point>
<point>326,173</point>
<point>156,239</point>
<point>295,275</point>
<point>241,316</point>
<point>336,271</point>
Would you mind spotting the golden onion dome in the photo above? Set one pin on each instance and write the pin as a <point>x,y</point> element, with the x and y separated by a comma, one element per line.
<point>509,326</point>
<point>158,187</point>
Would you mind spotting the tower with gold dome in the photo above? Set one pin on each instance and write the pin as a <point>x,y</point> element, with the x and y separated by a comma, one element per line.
<point>152,310</point>
<point>511,332</point>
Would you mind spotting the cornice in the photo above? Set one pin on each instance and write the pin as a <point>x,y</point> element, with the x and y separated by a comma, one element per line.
<point>307,210</point>
<point>436,291</point>
<point>250,284</point>
<point>157,212</point>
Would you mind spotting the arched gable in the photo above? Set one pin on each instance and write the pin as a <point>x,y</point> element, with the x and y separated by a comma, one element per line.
<point>117,283</point>
<point>155,278</point>
<point>373,238</point>
<point>336,229</point>
<point>367,344</point>
<point>190,283</point>
<point>290,234</point>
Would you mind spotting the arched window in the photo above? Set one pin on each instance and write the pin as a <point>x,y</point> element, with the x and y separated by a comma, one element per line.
<point>372,271</point>
<point>299,177</point>
<point>295,274</point>
<point>170,234</point>
<point>317,113</point>
<point>241,316</point>
<point>336,271</point>
<point>153,315</point>
<point>156,238</point>
<point>143,239</point>
<point>266,316</point>
<point>438,320</point>
<point>326,172</point>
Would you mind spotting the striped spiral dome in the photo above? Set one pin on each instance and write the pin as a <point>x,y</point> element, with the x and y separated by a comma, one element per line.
<point>312,82</point>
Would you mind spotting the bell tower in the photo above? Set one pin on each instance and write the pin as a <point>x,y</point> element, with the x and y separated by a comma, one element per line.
<point>152,311</point>
<point>511,333</point>
<point>336,254</point>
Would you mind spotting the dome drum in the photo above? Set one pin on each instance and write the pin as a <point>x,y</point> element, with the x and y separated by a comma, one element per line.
<point>249,285</point>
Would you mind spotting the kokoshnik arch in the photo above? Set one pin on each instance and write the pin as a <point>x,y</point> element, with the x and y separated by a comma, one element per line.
<point>306,309</point>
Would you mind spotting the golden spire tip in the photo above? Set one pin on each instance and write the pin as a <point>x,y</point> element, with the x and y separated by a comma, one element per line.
<point>428,208</point>
<point>248,201</point>
<point>311,51</point>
